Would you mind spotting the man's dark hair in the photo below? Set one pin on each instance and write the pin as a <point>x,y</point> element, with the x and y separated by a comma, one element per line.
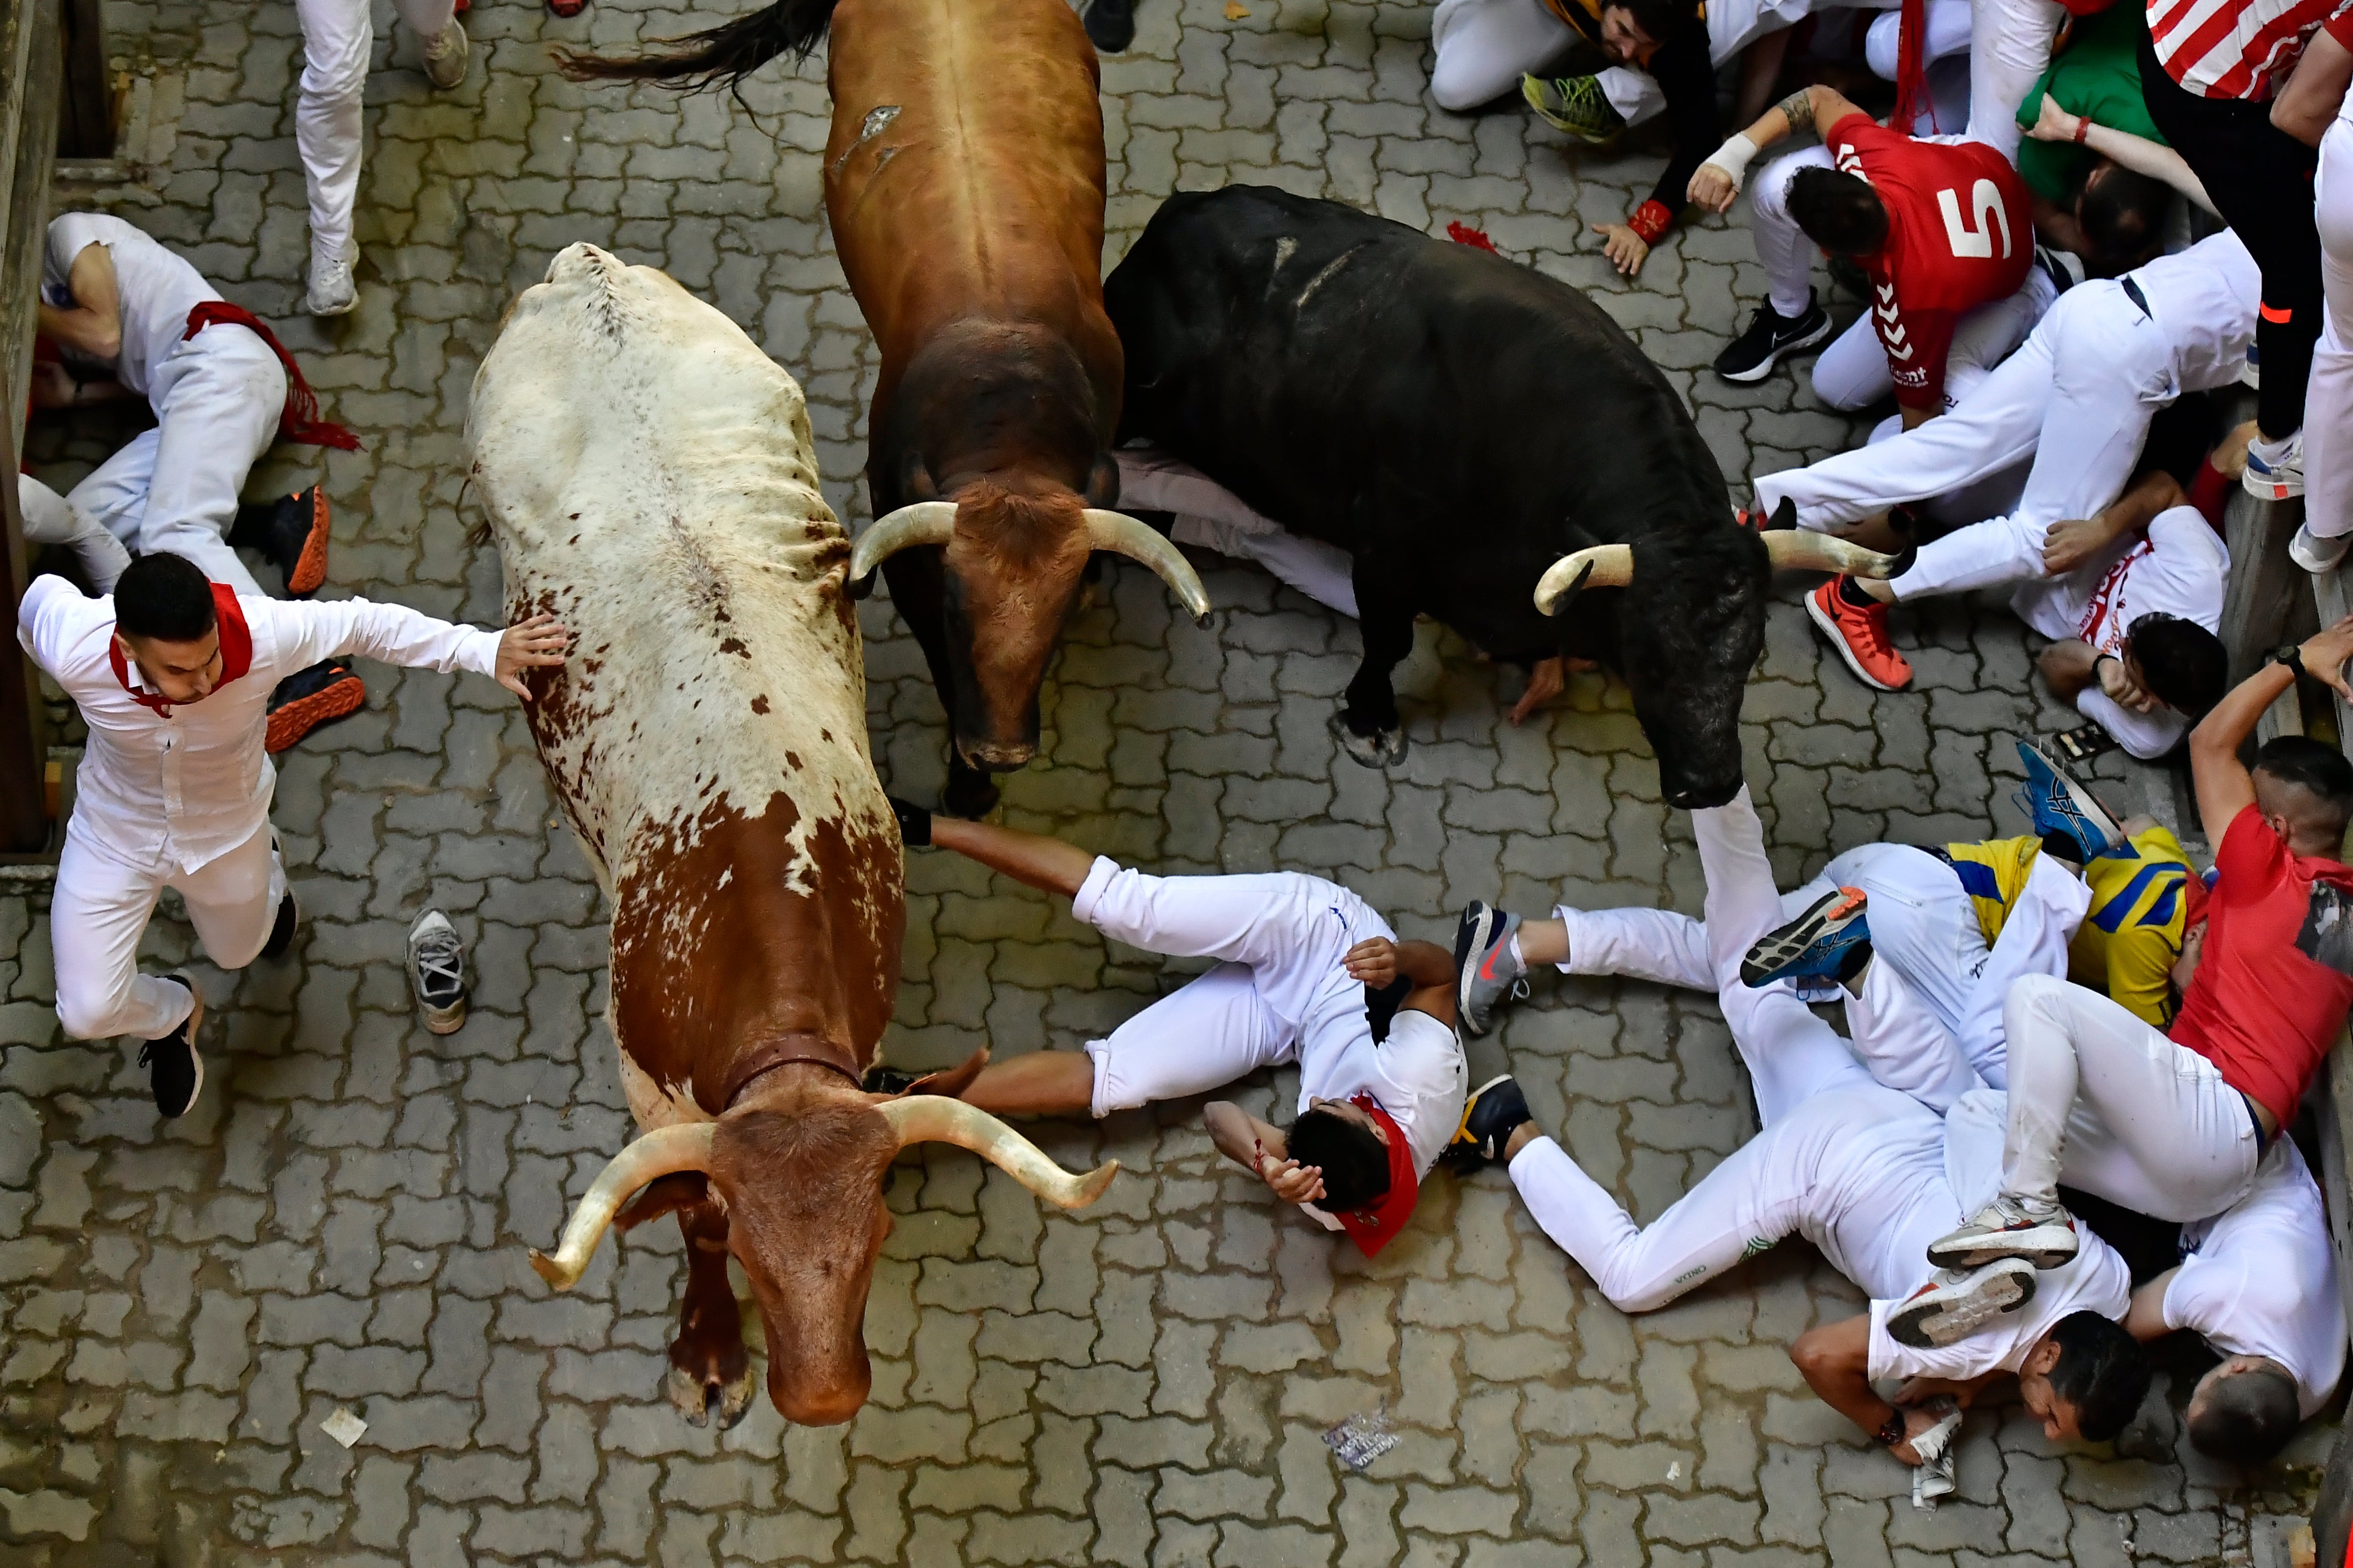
<point>1658,18</point>
<point>1356,1164</point>
<point>2245,1418</point>
<point>162,597</point>
<point>2322,769</point>
<point>2179,435</point>
<point>1838,211</point>
<point>2122,213</point>
<point>2186,666</point>
<point>2102,1372</point>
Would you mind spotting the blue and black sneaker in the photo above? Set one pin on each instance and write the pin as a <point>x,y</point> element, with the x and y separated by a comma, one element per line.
<point>2060,804</point>
<point>1829,941</point>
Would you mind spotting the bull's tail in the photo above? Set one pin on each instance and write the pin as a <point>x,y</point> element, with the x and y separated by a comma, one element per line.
<point>721,56</point>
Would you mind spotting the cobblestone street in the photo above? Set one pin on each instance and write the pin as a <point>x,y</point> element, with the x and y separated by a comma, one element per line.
<point>342,1221</point>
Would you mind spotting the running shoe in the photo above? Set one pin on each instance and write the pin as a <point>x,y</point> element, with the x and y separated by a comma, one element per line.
<point>2058,802</point>
<point>1860,634</point>
<point>1496,1109</point>
<point>307,698</point>
<point>174,1071</point>
<point>292,532</point>
<point>1751,356</point>
<point>2314,553</point>
<point>1818,944</point>
<point>437,972</point>
<point>1956,1303</point>
<point>1575,104</point>
<point>1485,968</point>
<point>282,934</point>
<point>445,56</point>
<point>331,292</point>
<point>2043,1235</point>
<point>2274,468</point>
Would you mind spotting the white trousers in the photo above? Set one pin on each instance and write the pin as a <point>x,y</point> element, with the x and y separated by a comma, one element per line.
<point>1948,24</point>
<point>216,399</point>
<point>1481,48</point>
<point>1731,26</point>
<point>338,37</point>
<point>2009,49</point>
<point>1282,936</point>
<point>2328,403</point>
<point>2077,397</point>
<point>1211,516</point>
<point>52,519</point>
<point>2154,1127</point>
<point>100,910</point>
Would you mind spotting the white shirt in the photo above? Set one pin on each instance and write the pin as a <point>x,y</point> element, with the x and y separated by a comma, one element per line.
<point>1418,1075</point>
<point>172,792</point>
<point>2094,1281</point>
<point>2260,1279</point>
<point>157,288</point>
<point>2205,300</point>
<point>2178,569</point>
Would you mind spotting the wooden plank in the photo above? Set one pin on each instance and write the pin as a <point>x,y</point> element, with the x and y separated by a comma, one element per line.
<point>2266,590</point>
<point>2332,1513</point>
<point>86,108</point>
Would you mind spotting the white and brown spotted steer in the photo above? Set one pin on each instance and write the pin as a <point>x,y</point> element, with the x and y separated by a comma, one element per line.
<point>649,473</point>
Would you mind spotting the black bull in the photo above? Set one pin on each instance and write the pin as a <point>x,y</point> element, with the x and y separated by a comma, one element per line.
<point>1457,423</point>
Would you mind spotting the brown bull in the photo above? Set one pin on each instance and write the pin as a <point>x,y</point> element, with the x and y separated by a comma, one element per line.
<point>964,177</point>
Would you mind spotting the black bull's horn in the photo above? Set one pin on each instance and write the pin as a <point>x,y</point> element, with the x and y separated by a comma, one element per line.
<point>1789,550</point>
<point>917,1119</point>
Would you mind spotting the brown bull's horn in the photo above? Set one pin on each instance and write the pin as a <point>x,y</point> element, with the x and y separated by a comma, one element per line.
<point>924,523</point>
<point>929,1119</point>
<point>1600,566</point>
<point>649,1157</point>
<point>1803,549</point>
<point>1122,535</point>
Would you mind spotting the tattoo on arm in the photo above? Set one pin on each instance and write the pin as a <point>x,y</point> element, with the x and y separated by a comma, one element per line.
<point>1799,109</point>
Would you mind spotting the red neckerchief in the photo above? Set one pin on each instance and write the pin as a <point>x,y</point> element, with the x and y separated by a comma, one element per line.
<point>235,651</point>
<point>1375,1224</point>
<point>299,420</point>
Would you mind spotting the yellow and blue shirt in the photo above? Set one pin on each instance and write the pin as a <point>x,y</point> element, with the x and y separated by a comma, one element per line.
<point>2132,933</point>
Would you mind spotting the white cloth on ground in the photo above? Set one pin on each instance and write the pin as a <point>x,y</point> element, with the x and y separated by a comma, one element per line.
<point>172,792</point>
<point>101,910</point>
<point>338,37</point>
<point>155,290</point>
<point>53,519</point>
<point>2260,1279</point>
<point>1211,516</point>
<point>1280,996</point>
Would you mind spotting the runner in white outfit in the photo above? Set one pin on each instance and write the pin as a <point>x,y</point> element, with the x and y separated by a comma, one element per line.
<point>2009,49</point>
<point>2328,403</point>
<point>1210,517</point>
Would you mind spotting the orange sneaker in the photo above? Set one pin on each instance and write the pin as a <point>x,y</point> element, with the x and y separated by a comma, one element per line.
<point>1861,637</point>
<point>307,698</point>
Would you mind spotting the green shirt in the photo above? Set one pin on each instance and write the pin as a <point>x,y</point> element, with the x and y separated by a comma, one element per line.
<point>2096,75</point>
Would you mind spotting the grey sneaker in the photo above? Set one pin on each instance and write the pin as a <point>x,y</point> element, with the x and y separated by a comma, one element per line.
<point>437,972</point>
<point>2314,553</point>
<point>1956,1303</point>
<point>331,292</point>
<point>445,56</point>
<point>1485,968</point>
<point>2043,1235</point>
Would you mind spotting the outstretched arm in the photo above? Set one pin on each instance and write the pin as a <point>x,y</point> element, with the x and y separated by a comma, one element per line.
<point>2224,786</point>
<point>2122,148</point>
<point>1809,109</point>
<point>1046,864</point>
<point>1835,1360</point>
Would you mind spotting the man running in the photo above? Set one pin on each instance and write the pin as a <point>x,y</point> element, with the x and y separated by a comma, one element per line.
<point>172,675</point>
<point>1310,976</point>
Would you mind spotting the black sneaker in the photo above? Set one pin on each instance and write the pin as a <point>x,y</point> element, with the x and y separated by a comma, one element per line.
<point>291,531</point>
<point>1110,24</point>
<point>326,691</point>
<point>174,1071</point>
<point>1495,1108</point>
<point>1770,334</point>
<point>282,935</point>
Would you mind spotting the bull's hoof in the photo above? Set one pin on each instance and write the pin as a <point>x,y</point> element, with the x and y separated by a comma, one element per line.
<point>703,1399</point>
<point>1381,748</point>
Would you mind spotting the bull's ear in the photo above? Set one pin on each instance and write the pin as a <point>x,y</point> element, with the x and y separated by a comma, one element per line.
<point>681,1190</point>
<point>1103,483</point>
<point>915,481</point>
<point>953,1082</point>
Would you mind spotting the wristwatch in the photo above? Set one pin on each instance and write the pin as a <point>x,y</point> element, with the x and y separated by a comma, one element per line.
<point>2290,655</point>
<point>1891,1431</point>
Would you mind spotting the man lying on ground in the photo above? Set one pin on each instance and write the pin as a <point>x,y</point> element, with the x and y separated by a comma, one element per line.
<point>1310,976</point>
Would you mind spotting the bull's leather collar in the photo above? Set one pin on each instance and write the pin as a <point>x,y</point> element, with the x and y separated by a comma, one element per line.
<point>815,1050</point>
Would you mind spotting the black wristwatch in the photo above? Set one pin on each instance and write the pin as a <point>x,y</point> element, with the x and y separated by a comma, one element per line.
<point>2290,655</point>
<point>1891,1431</point>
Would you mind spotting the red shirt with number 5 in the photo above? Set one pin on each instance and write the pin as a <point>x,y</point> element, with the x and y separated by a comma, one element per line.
<point>1960,231</point>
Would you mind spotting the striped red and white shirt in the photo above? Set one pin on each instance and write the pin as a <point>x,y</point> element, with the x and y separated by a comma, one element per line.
<point>2236,49</point>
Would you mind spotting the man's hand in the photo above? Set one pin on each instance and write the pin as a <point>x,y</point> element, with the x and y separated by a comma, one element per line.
<point>1917,1424</point>
<point>536,641</point>
<point>2325,654</point>
<point>1290,1180</point>
<point>1711,188</point>
<point>2052,123</point>
<point>1626,249</point>
<point>2067,545</point>
<point>1373,961</point>
<point>2122,689</point>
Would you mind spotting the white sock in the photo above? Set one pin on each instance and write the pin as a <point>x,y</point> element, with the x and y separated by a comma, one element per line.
<point>1519,959</point>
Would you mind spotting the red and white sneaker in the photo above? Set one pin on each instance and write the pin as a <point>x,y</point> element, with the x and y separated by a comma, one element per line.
<point>1954,1305</point>
<point>1861,637</point>
<point>2009,1227</point>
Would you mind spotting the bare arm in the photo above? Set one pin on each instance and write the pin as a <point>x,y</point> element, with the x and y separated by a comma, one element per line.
<point>1812,109</point>
<point>2145,1319</point>
<point>2068,544</point>
<point>1835,1360</point>
<point>1430,968</point>
<point>2124,149</point>
<point>2222,783</point>
<point>1262,1147</point>
<point>92,325</point>
<point>1044,863</point>
<point>2314,89</point>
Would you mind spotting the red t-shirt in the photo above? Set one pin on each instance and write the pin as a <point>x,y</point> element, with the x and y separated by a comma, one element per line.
<point>1960,231</point>
<point>2276,975</point>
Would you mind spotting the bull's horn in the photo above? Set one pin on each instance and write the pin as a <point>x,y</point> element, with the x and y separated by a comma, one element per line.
<point>1599,566</point>
<point>1122,535</point>
<point>929,1119</point>
<point>924,523</point>
<point>651,1155</point>
<point>1803,549</point>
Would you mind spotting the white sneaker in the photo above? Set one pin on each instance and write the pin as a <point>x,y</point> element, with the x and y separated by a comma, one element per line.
<point>333,291</point>
<point>2314,553</point>
<point>2276,468</point>
<point>437,972</point>
<point>445,56</point>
